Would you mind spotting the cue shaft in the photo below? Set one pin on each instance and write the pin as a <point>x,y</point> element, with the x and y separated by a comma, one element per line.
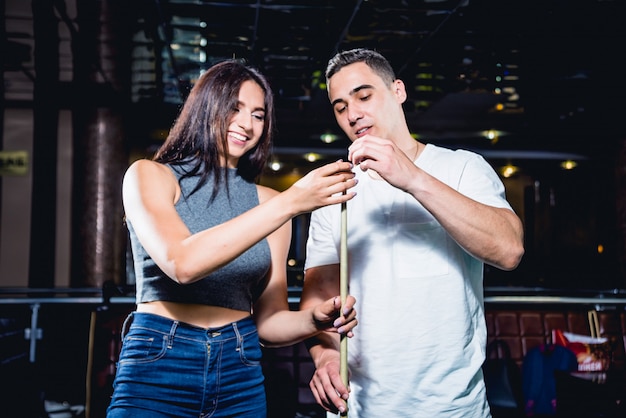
<point>343,285</point>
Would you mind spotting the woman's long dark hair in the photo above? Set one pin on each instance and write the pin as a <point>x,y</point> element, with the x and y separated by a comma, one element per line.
<point>200,130</point>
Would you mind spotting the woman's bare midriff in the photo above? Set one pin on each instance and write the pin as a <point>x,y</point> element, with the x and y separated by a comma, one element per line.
<point>199,315</point>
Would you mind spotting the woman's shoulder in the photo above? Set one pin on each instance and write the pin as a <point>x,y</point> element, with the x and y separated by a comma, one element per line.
<point>148,171</point>
<point>144,166</point>
<point>150,179</point>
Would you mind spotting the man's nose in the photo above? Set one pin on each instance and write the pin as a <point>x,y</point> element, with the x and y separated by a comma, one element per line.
<point>354,114</point>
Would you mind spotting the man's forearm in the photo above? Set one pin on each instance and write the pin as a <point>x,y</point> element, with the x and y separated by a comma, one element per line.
<point>324,344</point>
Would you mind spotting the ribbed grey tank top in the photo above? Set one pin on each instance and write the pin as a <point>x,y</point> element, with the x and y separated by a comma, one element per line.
<point>233,286</point>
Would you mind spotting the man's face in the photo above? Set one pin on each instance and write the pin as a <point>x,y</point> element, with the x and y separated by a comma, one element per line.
<point>363,103</point>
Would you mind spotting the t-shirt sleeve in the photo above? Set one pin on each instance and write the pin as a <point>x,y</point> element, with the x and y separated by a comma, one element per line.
<point>479,181</point>
<point>322,246</point>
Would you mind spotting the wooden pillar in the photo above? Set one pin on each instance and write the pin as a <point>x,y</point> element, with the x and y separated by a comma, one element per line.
<point>102,81</point>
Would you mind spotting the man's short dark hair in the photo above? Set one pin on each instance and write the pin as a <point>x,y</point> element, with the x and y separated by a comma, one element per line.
<point>371,58</point>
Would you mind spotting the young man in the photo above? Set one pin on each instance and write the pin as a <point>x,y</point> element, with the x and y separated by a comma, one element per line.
<point>422,224</point>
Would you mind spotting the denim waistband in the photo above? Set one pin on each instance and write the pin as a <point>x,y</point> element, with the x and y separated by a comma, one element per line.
<point>182,329</point>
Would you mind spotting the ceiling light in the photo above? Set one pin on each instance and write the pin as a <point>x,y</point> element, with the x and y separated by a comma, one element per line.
<point>492,135</point>
<point>568,164</point>
<point>275,165</point>
<point>508,170</point>
<point>328,138</point>
<point>312,157</point>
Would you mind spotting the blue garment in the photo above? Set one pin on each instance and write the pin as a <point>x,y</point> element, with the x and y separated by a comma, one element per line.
<point>539,383</point>
<point>172,369</point>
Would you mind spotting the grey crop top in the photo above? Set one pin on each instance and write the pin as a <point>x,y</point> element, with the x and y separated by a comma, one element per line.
<point>234,286</point>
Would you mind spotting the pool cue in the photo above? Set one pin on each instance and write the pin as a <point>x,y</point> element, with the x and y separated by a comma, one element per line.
<point>343,287</point>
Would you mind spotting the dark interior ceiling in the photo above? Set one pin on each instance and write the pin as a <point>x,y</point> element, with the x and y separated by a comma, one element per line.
<point>545,74</point>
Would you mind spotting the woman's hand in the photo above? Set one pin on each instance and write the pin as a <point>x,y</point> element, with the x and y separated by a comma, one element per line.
<point>323,186</point>
<point>332,316</point>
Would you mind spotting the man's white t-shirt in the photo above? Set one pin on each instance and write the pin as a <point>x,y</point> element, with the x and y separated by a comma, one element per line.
<point>420,342</point>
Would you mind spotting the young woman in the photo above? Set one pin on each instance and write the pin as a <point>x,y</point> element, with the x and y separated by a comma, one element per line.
<point>210,250</point>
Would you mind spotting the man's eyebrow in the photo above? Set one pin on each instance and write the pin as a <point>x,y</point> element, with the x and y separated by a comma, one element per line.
<point>354,91</point>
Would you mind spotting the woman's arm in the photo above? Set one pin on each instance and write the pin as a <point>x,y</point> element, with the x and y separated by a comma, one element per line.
<point>150,191</point>
<point>279,326</point>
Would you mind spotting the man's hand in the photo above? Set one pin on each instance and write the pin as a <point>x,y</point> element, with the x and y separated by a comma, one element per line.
<point>384,157</point>
<point>327,385</point>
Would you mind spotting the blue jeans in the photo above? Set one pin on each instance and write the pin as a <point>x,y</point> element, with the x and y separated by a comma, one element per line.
<point>172,369</point>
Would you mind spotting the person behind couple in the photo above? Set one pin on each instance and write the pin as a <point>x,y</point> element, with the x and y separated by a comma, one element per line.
<point>423,223</point>
<point>210,252</point>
